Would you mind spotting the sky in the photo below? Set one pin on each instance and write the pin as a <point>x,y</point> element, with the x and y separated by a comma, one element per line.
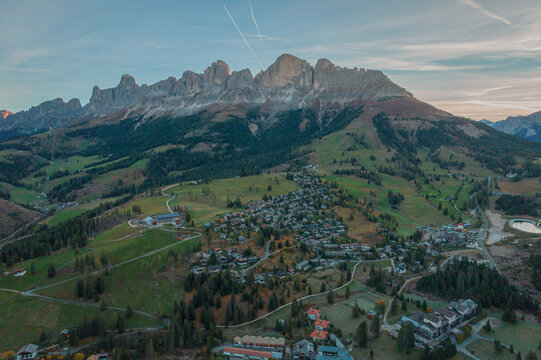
<point>475,58</point>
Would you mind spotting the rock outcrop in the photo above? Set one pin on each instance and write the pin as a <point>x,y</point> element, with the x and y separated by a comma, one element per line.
<point>5,113</point>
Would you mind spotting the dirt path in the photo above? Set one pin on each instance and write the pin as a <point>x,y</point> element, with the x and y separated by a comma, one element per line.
<point>496,231</point>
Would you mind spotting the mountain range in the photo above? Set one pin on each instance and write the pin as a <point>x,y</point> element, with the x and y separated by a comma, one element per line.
<point>288,83</point>
<point>528,126</point>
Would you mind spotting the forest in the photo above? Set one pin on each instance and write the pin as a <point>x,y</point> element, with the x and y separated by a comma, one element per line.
<point>481,283</point>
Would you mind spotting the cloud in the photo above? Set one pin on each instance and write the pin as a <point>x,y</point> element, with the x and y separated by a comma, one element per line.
<point>243,37</point>
<point>24,69</point>
<point>475,5</point>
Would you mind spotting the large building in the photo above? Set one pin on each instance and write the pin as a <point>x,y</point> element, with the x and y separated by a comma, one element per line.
<point>27,352</point>
<point>175,219</point>
<point>332,353</point>
<point>433,328</point>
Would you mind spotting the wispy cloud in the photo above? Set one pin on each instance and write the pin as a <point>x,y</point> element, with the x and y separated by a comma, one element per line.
<point>477,6</point>
<point>24,69</point>
<point>243,37</point>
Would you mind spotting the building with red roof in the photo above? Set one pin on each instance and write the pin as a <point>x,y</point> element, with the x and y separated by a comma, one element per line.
<point>318,335</point>
<point>322,324</point>
<point>313,314</point>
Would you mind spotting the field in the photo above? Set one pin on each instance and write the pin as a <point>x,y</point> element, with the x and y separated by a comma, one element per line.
<point>147,284</point>
<point>384,348</point>
<point>524,186</point>
<point>524,335</point>
<point>484,350</point>
<point>413,211</point>
<point>29,317</point>
<point>206,201</point>
<point>75,211</point>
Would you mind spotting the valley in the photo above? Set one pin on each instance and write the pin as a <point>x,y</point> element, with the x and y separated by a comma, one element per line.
<point>183,228</point>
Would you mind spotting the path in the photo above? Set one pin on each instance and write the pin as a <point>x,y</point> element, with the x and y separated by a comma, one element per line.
<point>150,253</point>
<point>267,246</point>
<point>302,298</point>
<point>31,293</point>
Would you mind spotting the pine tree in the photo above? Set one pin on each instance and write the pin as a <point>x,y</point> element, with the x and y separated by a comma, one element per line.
<point>374,326</point>
<point>348,293</point>
<point>362,334</point>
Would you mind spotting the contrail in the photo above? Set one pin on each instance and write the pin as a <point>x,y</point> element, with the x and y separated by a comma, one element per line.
<point>475,5</point>
<point>255,22</point>
<point>243,38</point>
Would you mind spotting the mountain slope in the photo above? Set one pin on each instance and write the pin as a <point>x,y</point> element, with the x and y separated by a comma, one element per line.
<point>528,126</point>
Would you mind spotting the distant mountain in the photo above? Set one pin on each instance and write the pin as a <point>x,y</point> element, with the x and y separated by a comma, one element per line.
<point>289,83</point>
<point>52,113</point>
<point>528,126</point>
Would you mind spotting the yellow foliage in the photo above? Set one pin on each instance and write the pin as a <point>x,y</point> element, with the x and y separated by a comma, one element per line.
<point>79,356</point>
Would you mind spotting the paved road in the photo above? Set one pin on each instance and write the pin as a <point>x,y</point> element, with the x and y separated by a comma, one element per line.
<point>305,297</point>
<point>267,247</point>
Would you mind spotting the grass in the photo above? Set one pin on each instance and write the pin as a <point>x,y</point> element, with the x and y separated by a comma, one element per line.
<point>144,284</point>
<point>28,317</point>
<point>61,262</point>
<point>384,348</point>
<point>206,201</point>
<point>524,335</point>
<point>484,350</point>
<point>21,195</point>
<point>74,211</point>
<point>151,205</point>
<point>413,211</point>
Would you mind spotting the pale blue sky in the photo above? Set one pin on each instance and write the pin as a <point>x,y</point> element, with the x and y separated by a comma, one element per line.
<point>475,58</point>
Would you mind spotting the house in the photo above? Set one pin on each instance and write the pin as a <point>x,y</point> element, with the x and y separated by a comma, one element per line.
<point>318,335</point>
<point>102,356</point>
<point>247,353</point>
<point>313,314</point>
<point>322,324</point>
<point>304,350</point>
<point>27,352</point>
<point>19,272</point>
<point>325,352</point>
<point>149,221</point>
<point>371,314</point>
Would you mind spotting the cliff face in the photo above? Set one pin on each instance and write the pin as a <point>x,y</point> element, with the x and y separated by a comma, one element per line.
<point>289,83</point>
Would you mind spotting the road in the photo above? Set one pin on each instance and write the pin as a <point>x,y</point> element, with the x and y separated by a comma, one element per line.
<point>304,297</point>
<point>267,247</point>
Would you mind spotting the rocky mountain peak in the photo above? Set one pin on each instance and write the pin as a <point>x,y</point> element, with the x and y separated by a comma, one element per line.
<point>217,73</point>
<point>287,70</point>
<point>5,113</point>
